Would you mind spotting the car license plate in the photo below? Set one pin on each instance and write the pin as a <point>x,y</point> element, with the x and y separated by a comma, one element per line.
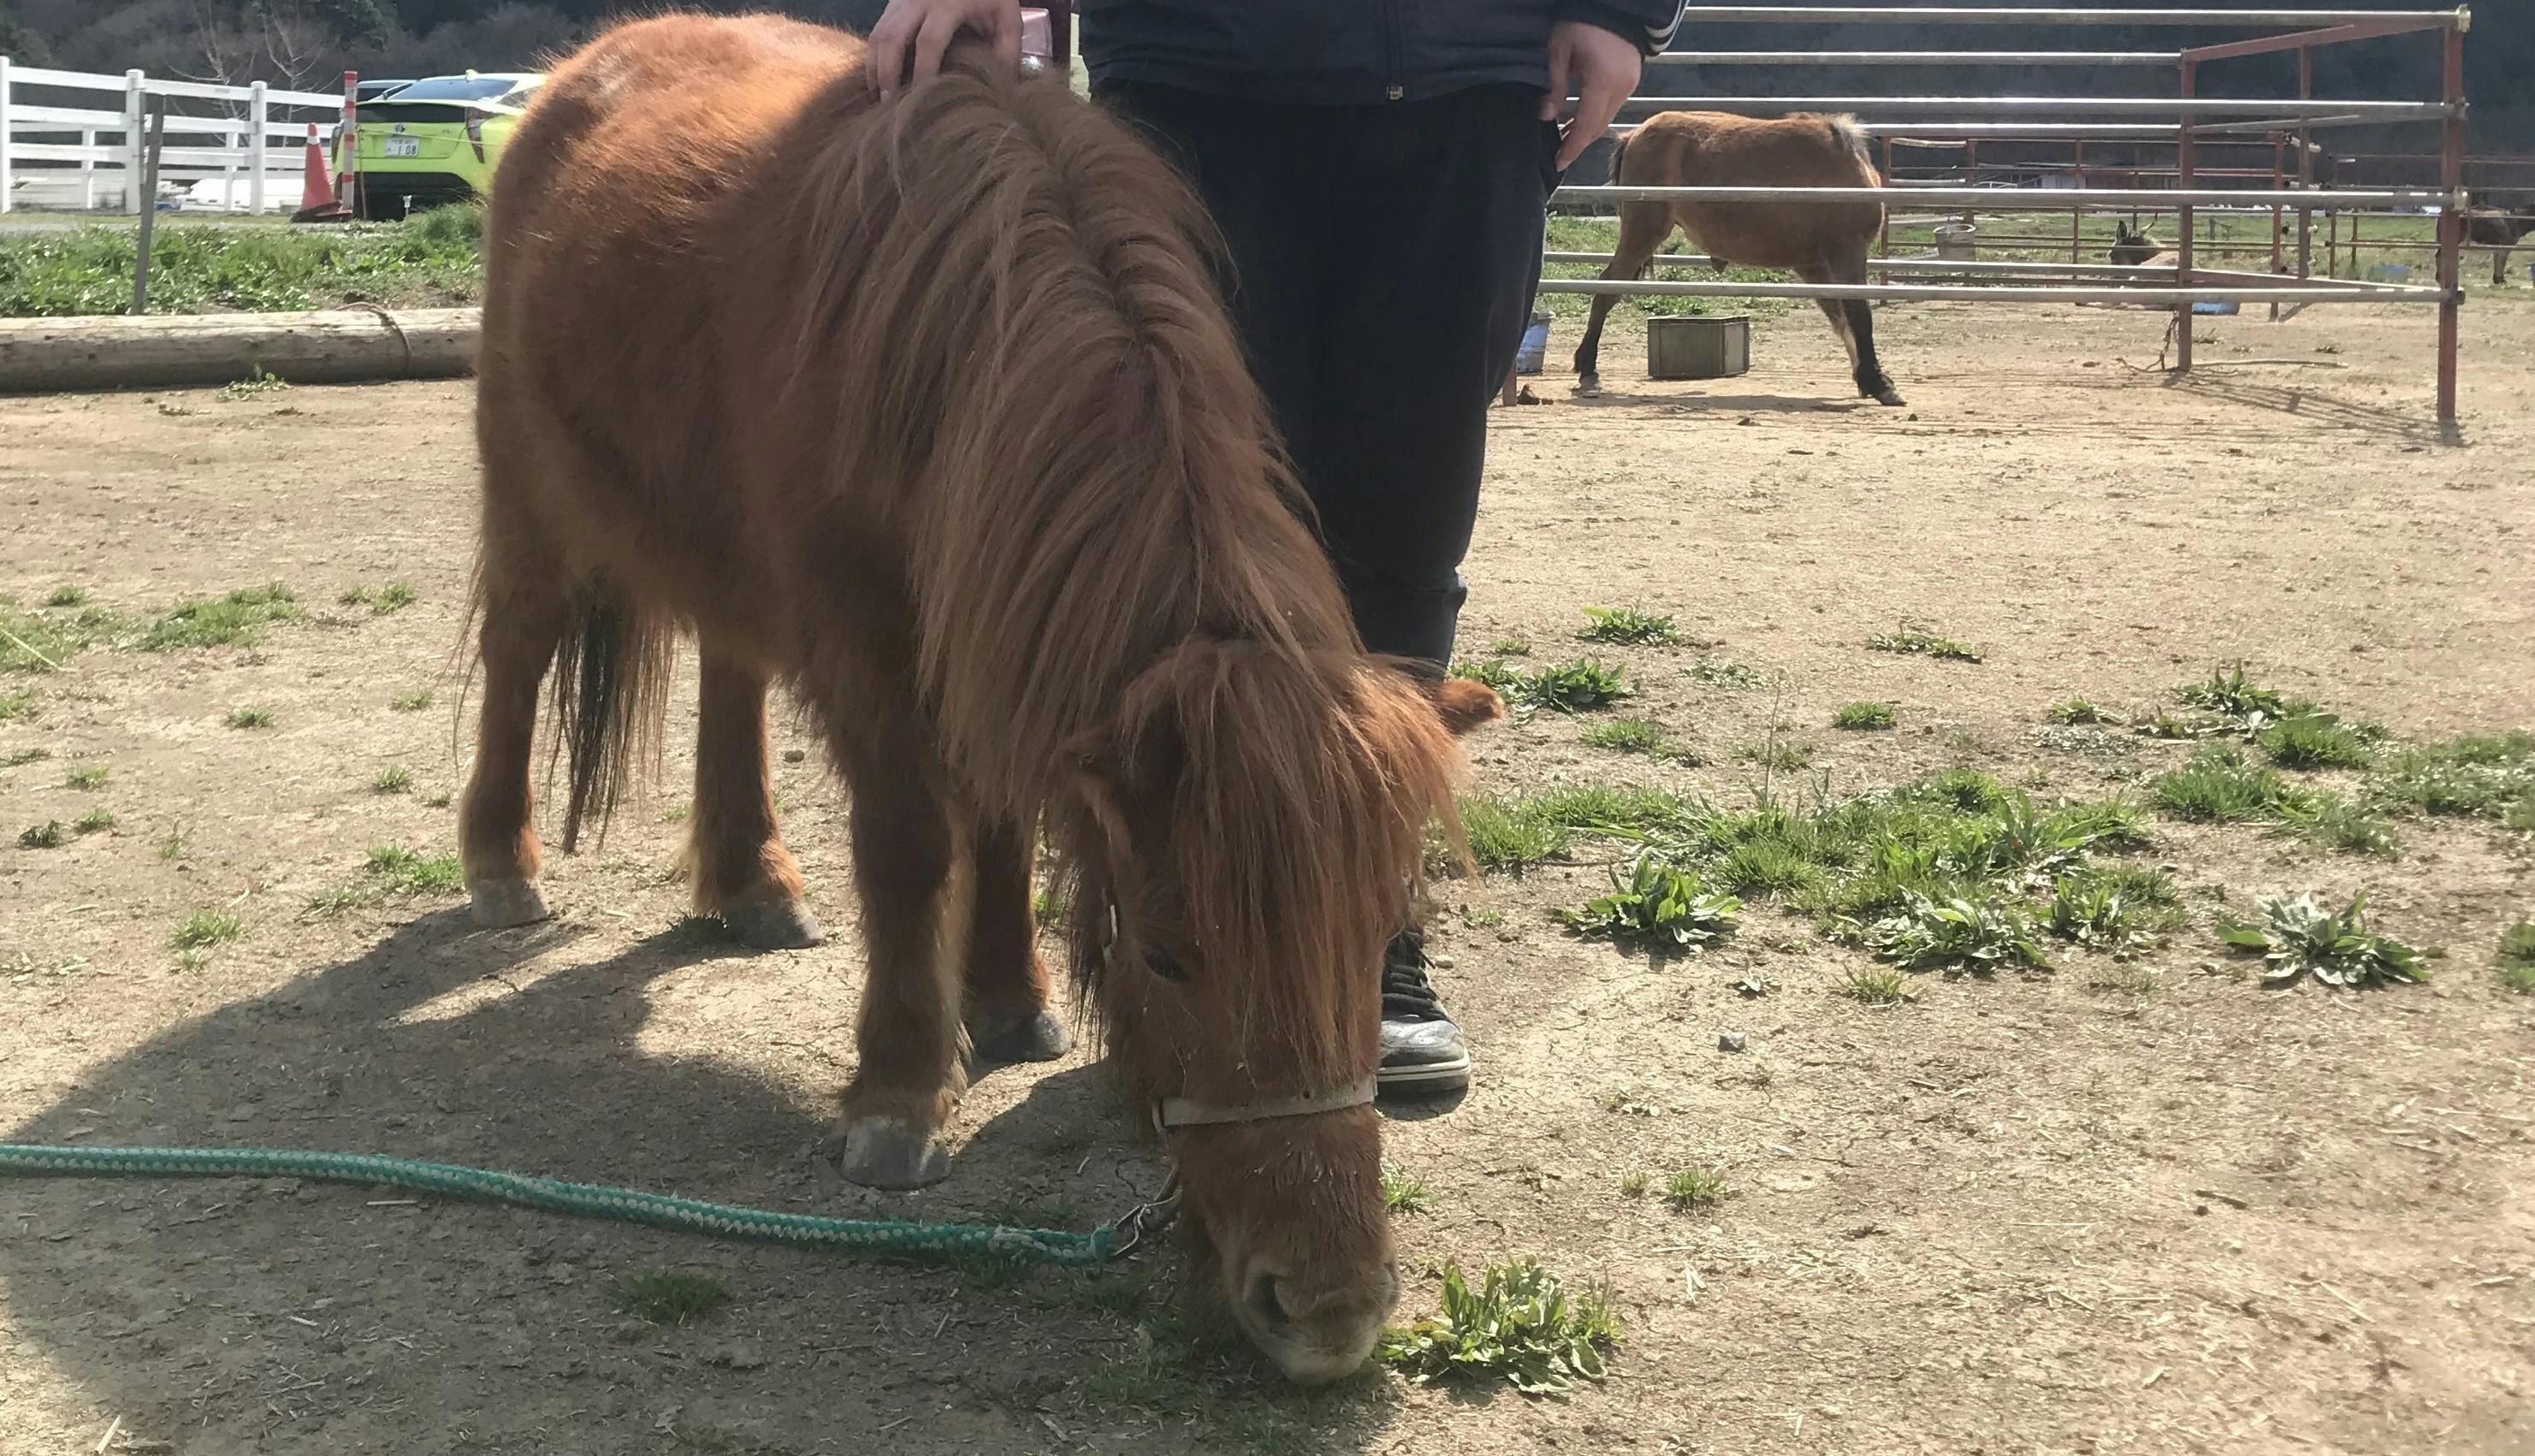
<point>402,146</point>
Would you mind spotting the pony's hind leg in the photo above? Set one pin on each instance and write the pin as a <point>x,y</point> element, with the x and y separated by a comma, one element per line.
<point>1006,1011</point>
<point>1642,228</point>
<point>742,872</point>
<point>1853,319</point>
<point>913,880</point>
<point>522,612</point>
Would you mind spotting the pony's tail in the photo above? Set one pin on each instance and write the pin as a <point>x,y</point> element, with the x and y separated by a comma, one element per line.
<point>611,693</point>
<point>1619,149</point>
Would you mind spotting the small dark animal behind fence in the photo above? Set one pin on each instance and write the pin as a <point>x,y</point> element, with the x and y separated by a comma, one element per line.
<point>931,410</point>
<point>2498,229</point>
<point>1819,242</point>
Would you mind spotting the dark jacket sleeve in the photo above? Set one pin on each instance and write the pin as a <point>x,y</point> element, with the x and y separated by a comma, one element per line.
<point>1648,22</point>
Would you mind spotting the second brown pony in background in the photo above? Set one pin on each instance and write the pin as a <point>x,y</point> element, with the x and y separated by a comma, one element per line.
<point>1819,242</point>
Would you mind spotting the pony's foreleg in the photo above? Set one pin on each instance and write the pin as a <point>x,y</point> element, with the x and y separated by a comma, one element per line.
<point>914,878</point>
<point>524,611</point>
<point>1006,1011</point>
<point>742,872</point>
<point>1642,228</point>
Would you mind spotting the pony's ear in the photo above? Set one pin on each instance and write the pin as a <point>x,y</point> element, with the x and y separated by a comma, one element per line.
<point>1465,705</point>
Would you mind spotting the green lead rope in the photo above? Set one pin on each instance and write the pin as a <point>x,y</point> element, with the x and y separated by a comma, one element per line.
<point>586,1200</point>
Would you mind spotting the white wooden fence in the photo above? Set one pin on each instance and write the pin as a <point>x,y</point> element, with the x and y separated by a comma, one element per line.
<point>237,148</point>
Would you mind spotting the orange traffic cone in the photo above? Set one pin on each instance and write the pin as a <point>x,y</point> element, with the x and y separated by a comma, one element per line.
<point>317,200</point>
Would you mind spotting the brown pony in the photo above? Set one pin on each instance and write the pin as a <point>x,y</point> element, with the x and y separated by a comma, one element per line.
<point>931,411</point>
<point>2133,247</point>
<point>2498,229</point>
<point>1821,242</point>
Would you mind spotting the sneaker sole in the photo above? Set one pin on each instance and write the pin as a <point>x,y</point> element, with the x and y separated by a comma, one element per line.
<point>1431,1078</point>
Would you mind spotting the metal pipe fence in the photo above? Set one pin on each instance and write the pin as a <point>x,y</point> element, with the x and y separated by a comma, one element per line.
<point>2186,121</point>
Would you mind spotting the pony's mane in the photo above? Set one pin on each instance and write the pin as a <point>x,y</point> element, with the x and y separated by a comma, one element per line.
<point>1109,558</point>
<point>1015,293</point>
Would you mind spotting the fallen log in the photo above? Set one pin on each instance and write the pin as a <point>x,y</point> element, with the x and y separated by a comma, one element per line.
<point>168,350</point>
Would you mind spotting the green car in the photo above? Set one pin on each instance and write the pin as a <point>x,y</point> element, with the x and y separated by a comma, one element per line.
<point>434,140</point>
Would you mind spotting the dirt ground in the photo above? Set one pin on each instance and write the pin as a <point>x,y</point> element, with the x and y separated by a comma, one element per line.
<point>2092,1211</point>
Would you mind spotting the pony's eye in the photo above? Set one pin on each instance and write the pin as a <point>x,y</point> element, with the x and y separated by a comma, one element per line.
<point>1163,964</point>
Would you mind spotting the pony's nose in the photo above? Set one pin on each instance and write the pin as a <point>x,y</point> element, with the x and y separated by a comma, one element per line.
<point>1318,1331</point>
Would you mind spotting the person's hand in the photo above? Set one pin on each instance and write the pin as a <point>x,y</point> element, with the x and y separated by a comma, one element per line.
<point>919,32</point>
<point>1604,68</point>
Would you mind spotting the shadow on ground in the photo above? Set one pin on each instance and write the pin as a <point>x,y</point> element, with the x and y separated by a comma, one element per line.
<point>266,1314</point>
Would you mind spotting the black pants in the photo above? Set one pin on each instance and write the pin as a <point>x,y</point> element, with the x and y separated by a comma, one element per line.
<point>1382,260</point>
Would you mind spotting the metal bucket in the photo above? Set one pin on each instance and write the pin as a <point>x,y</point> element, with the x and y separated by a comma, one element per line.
<point>1955,240</point>
<point>1697,347</point>
<point>1534,348</point>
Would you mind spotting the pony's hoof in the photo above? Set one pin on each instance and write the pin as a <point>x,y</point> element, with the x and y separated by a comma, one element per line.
<point>1034,1036</point>
<point>886,1153</point>
<point>1587,385</point>
<point>1888,395</point>
<point>775,925</point>
<point>500,904</point>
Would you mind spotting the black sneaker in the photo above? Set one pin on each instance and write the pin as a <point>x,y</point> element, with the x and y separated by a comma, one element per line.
<point>1422,1051</point>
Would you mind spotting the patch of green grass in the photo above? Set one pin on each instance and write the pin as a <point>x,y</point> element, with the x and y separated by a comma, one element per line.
<point>15,706</point>
<point>65,597</point>
<point>1657,903</point>
<point>257,384</point>
<point>1572,687</point>
<point>2299,937</point>
<point>1627,735</point>
<point>1510,647</point>
<point>395,596</point>
<point>214,268</point>
<point>1403,1191</point>
<point>2232,696</point>
<point>2339,824</point>
<point>1775,755</point>
<point>2515,959</point>
<point>204,928</point>
<point>1634,1185</point>
<point>670,1297</point>
<point>2478,776</point>
<point>1628,627</point>
<point>24,756</point>
<point>250,717</point>
<point>411,703</point>
<point>1504,677</point>
<point>436,801</point>
<point>238,620</point>
<point>94,819</point>
<point>390,869</point>
<point>1767,865</point>
<point>2216,785</point>
<point>88,779</point>
<point>46,835</point>
<point>2091,910</point>
<point>1521,1326</point>
<point>1957,933</point>
<point>1721,672</point>
<point>41,642</point>
<point>1046,908</point>
<point>172,846</point>
<point>2113,823</point>
<point>1511,831</point>
<point>1863,715</point>
<point>1966,789</point>
<point>1920,642</point>
<point>1880,986</point>
<point>2313,741</point>
<point>1695,1188</point>
<point>391,780</point>
<point>676,814</point>
<point>2076,710</point>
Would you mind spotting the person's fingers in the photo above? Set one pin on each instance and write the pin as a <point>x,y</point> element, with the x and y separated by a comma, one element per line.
<point>932,41</point>
<point>1560,57</point>
<point>1004,29</point>
<point>1602,102</point>
<point>885,51</point>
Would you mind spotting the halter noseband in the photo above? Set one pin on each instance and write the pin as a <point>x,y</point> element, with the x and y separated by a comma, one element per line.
<point>1187,1111</point>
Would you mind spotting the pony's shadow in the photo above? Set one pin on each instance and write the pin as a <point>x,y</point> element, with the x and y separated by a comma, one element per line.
<point>261,1312</point>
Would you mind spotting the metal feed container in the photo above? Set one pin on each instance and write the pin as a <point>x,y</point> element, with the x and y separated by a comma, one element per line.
<point>1698,347</point>
<point>1954,241</point>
